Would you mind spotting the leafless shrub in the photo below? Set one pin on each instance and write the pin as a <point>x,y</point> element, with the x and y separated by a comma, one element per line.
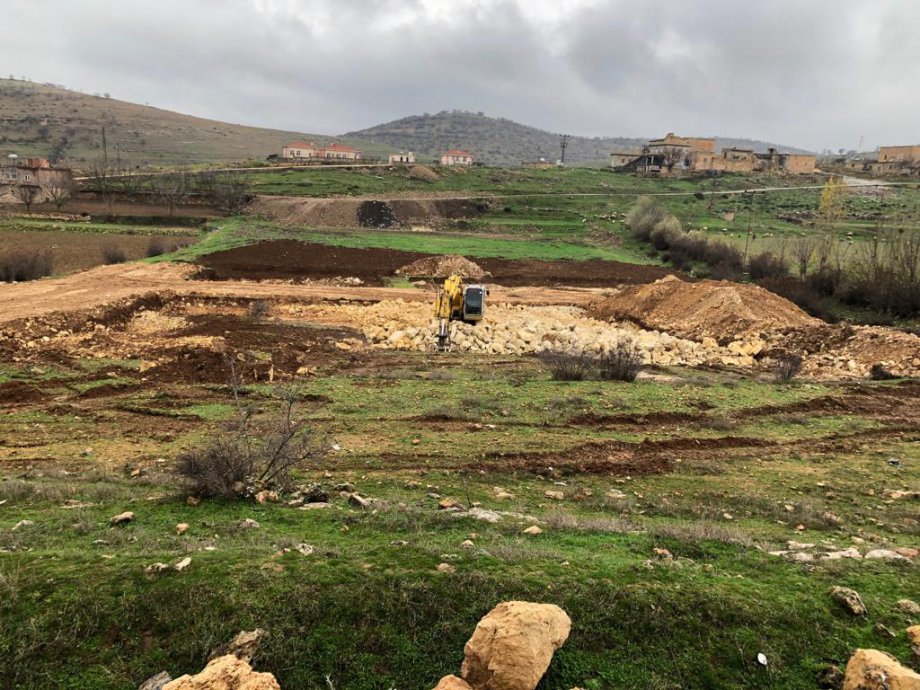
<point>567,365</point>
<point>767,265</point>
<point>258,308</point>
<point>594,523</point>
<point>113,254</point>
<point>252,455</point>
<point>880,373</point>
<point>157,247</point>
<point>787,366</point>
<point>25,264</point>
<point>700,530</point>
<point>621,363</point>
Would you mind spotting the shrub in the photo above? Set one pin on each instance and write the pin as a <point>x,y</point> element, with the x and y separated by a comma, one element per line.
<point>25,264</point>
<point>249,456</point>
<point>787,366</point>
<point>566,365</point>
<point>622,363</point>
<point>258,308</point>
<point>767,265</point>
<point>880,373</point>
<point>644,216</point>
<point>801,293</point>
<point>157,247</point>
<point>113,254</point>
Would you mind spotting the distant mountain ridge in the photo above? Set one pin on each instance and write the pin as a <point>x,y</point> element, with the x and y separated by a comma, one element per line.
<point>499,141</point>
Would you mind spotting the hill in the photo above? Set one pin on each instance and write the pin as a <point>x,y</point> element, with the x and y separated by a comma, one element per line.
<point>497,141</point>
<point>51,121</point>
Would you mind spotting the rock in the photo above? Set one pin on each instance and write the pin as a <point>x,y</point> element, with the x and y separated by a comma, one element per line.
<point>315,506</point>
<point>911,608</point>
<point>913,637</point>
<point>452,683</point>
<point>883,631</point>
<point>446,568</point>
<point>555,495</point>
<point>156,682</point>
<point>244,646</point>
<point>870,669</point>
<point>851,552</point>
<point>359,501</point>
<point>315,493</point>
<point>182,528</point>
<point>484,515</point>
<point>830,678</point>
<point>306,549</point>
<point>907,552</point>
<point>533,531</point>
<point>849,599</point>
<point>885,555</point>
<point>182,565</point>
<point>513,645</point>
<point>449,504</point>
<point>347,487</point>
<point>192,501</point>
<point>616,495</point>
<point>225,673</point>
<point>156,568</point>
<point>266,496</point>
<point>122,518</point>
<point>467,544</point>
<point>504,495</point>
<point>248,523</point>
<point>23,523</point>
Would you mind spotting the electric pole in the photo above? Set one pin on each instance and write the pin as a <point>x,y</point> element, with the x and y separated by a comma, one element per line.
<point>563,145</point>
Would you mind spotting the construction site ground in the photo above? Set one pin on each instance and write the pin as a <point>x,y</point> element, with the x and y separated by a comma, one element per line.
<point>688,520</point>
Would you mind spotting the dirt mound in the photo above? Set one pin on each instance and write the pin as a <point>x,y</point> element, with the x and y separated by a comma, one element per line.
<point>19,392</point>
<point>718,309</point>
<point>423,172</point>
<point>443,266</point>
<point>570,273</point>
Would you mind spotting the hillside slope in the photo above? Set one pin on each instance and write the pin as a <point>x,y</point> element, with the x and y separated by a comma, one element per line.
<point>47,120</point>
<point>497,141</point>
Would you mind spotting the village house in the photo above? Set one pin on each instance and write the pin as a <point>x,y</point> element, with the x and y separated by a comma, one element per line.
<point>32,172</point>
<point>300,150</point>
<point>688,155</point>
<point>456,157</point>
<point>402,157</point>
<point>891,160</point>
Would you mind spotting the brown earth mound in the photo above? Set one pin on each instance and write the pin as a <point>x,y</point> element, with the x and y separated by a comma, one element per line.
<point>423,172</point>
<point>292,260</point>
<point>443,266</point>
<point>351,212</point>
<point>718,309</point>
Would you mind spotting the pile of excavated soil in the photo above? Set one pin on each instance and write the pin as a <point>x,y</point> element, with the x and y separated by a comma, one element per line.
<point>707,309</point>
<point>423,172</point>
<point>443,266</point>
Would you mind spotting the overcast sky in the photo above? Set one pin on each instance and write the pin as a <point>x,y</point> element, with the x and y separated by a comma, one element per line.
<point>810,73</point>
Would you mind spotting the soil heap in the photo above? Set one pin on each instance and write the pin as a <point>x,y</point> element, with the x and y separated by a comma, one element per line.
<point>716,309</point>
<point>443,266</point>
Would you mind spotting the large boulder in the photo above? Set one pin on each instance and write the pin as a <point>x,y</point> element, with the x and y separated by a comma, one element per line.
<point>452,683</point>
<point>870,669</point>
<point>244,646</point>
<point>225,673</point>
<point>513,645</point>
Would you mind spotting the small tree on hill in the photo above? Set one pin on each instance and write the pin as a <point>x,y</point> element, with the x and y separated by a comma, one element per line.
<point>27,194</point>
<point>59,191</point>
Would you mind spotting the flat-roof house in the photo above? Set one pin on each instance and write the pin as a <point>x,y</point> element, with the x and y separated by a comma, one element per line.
<point>402,157</point>
<point>456,157</point>
<point>300,149</point>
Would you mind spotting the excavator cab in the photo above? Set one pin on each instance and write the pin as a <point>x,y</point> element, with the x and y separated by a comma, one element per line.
<point>474,302</point>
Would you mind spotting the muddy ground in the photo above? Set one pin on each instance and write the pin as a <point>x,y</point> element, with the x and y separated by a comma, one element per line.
<point>293,260</point>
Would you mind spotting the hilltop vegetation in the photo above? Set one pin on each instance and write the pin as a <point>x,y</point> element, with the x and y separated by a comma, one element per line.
<point>48,120</point>
<point>498,141</point>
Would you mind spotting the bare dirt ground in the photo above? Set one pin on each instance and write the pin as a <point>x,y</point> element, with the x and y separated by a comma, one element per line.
<point>107,284</point>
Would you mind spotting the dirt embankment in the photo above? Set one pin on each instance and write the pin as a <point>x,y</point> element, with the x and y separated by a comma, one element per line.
<point>350,212</point>
<point>721,310</point>
<point>289,259</point>
<point>443,266</point>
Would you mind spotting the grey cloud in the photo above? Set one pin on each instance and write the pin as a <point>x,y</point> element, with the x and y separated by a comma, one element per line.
<point>813,74</point>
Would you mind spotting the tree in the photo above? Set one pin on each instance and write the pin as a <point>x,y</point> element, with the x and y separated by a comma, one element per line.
<point>802,250</point>
<point>230,192</point>
<point>27,194</point>
<point>672,156</point>
<point>60,190</point>
<point>170,190</point>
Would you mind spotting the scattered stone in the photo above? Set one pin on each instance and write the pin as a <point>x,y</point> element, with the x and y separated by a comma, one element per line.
<point>533,531</point>
<point>347,487</point>
<point>306,549</point>
<point>467,544</point>
<point>663,554</point>
<point>315,493</point>
<point>851,552</point>
<point>22,524</point>
<point>446,568</point>
<point>504,495</point>
<point>266,496</point>
<point>248,523</point>
<point>911,608</point>
<point>870,669</point>
<point>156,568</point>
<point>452,683</point>
<point>359,501</point>
<point>555,495</point>
<point>830,678</point>
<point>122,518</point>
<point>513,645</point>
<point>449,504</point>
<point>182,565</point>
<point>182,528</point>
<point>907,552</point>
<point>156,682</point>
<point>849,599</point>
<point>244,646</point>
<point>192,501</point>
<point>227,673</point>
<point>484,515</point>
<point>616,495</point>
<point>913,637</point>
<point>315,506</point>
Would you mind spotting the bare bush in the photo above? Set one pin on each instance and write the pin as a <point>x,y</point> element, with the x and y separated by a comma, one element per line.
<point>252,454</point>
<point>113,254</point>
<point>567,365</point>
<point>644,216</point>
<point>25,264</point>
<point>621,363</point>
<point>27,194</point>
<point>158,247</point>
<point>60,190</point>
<point>258,308</point>
<point>787,366</point>
<point>767,265</point>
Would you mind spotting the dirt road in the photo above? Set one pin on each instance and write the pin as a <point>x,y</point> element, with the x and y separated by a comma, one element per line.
<point>107,284</point>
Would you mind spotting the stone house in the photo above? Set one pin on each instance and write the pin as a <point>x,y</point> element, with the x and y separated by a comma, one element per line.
<point>300,149</point>
<point>342,151</point>
<point>402,157</point>
<point>456,157</point>
<point>32,172</point>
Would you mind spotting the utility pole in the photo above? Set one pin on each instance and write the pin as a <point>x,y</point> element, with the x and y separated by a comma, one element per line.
<point>563,145</point>
<point>750,231</point>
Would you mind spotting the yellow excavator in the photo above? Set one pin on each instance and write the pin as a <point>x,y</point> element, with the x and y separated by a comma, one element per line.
<point>457,302</point>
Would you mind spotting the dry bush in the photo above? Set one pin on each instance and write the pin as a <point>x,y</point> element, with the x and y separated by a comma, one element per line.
<point>567,365</point>
<point>703,530</point>
<point>622,363</point>
<point>252,455</point>
<point>644,216</point>
<point>158,247</point>
<point>19,265</point>
<point>113,254</point>
<point>258,308</point>
<point>593,523</point>
<point>767,265</point>
<point>787,366</point>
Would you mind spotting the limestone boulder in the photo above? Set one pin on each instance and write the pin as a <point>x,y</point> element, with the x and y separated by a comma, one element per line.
<point>225,673</point>
<point>452,683</point>
<point>870,669</point>
<point>244,646</point>
<point>513,645</point>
